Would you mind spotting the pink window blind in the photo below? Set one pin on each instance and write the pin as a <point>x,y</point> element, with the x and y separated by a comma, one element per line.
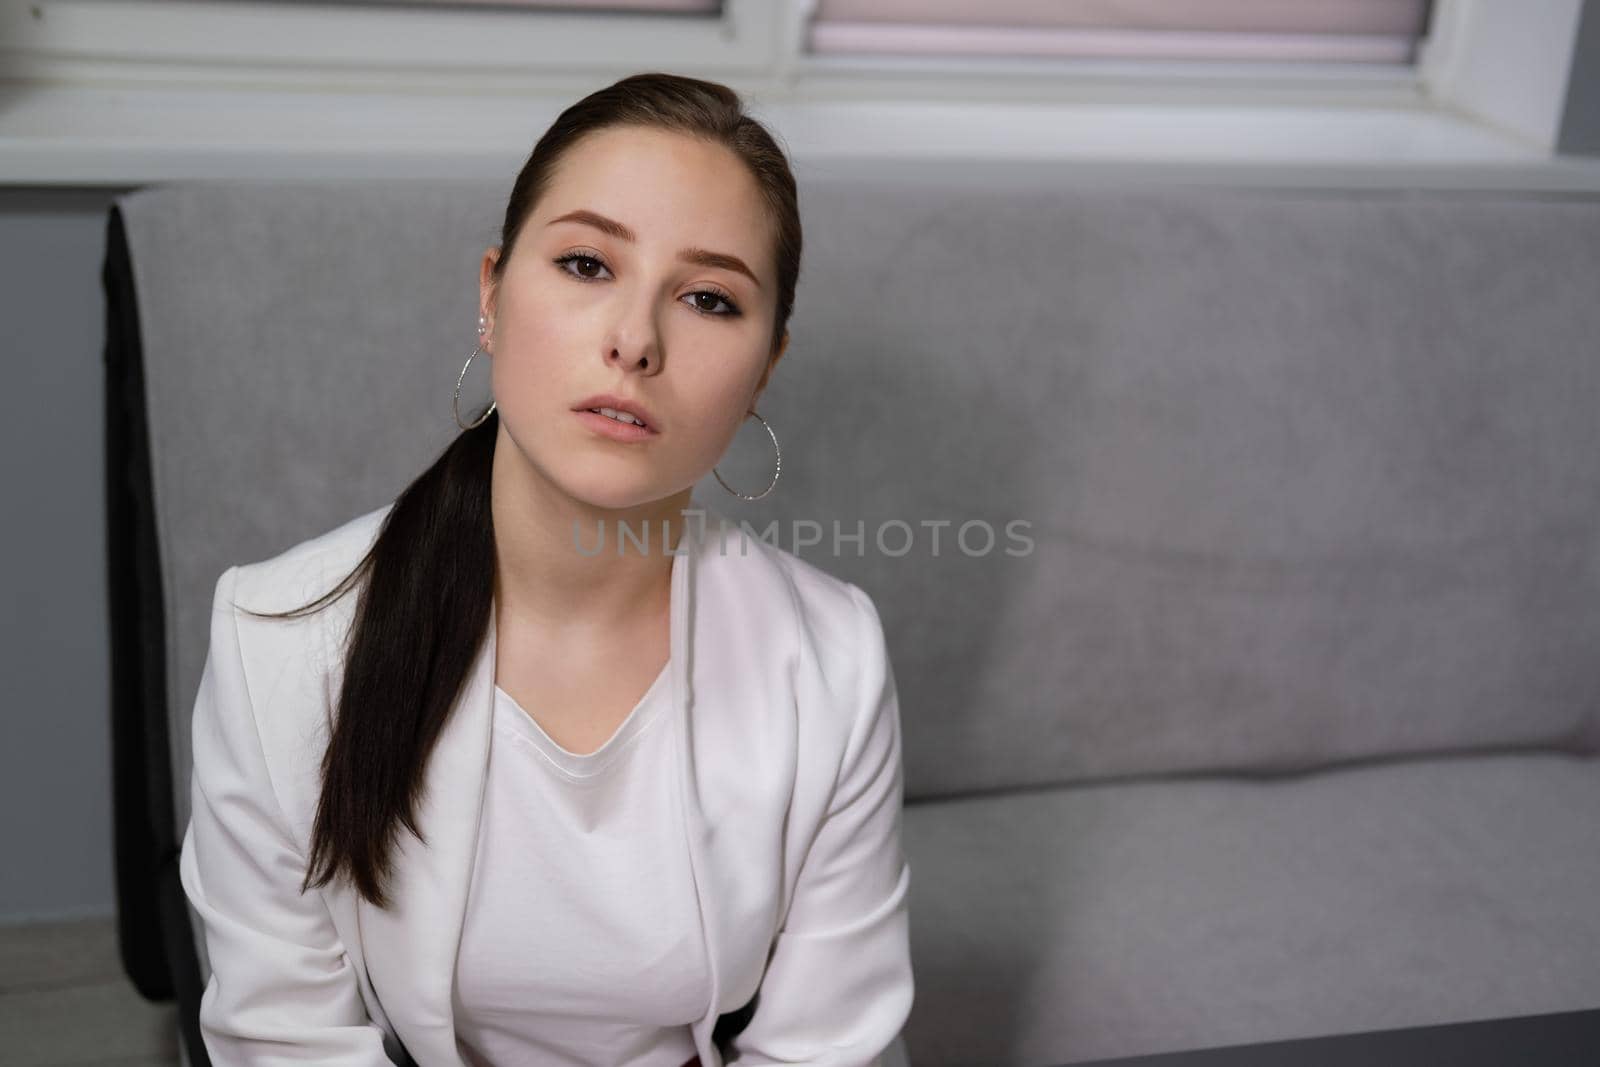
<point>1357,31</point>
<point>576,7</point>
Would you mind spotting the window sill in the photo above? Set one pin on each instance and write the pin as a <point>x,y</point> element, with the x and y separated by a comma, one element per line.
<point>121,135</point>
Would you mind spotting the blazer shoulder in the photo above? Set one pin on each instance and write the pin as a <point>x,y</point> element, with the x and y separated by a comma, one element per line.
<point>306,570</point>
<point>295,578</point>
<point>836,617</point>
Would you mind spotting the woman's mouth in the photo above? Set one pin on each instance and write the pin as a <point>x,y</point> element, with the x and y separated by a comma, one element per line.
<point>619,426</point>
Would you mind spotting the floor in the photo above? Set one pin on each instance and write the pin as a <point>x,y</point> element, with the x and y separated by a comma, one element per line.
<point>65,1000</point>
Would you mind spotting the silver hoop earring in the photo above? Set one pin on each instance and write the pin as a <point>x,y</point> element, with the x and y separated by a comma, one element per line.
<point>775,472</point>
<point>455,403</point>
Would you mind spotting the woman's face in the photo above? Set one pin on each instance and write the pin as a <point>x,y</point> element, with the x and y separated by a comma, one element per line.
<point>583,309</point>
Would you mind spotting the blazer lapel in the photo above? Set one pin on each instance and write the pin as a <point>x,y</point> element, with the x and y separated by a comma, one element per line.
<point>411,947</point>
<point>738,750</point>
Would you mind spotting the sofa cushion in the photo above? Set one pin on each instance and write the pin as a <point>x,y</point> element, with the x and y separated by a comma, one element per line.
<point>1311,473</point>
<point>1110,920</point>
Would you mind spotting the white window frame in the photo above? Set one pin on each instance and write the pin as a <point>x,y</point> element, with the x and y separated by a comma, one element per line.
<point>126,91</point>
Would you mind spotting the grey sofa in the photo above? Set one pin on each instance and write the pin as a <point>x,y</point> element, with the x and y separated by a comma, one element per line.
<point>1287,724</point>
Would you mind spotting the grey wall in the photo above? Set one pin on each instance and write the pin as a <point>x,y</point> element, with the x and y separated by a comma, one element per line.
<point>55,752</point>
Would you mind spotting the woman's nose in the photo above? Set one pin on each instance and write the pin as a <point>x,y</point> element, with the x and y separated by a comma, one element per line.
<point>643,360</point>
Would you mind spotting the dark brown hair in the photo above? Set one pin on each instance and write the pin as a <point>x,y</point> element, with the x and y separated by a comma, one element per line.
<point>423,607</point>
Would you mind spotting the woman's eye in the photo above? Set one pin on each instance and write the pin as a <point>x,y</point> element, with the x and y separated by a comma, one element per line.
<point>715,298</point>
<point>580,258</point>
<point>712,296</point>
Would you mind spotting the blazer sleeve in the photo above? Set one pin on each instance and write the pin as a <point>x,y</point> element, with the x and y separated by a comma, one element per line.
<point>838,985</point>
<point>282,990</point>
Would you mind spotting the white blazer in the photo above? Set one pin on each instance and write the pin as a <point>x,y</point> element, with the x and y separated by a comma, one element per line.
<point>787,734</point>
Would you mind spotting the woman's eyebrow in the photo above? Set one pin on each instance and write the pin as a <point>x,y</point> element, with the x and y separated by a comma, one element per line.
<point>702,256</point>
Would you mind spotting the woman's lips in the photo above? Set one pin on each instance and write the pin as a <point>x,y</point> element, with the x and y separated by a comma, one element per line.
<point>617,431</point>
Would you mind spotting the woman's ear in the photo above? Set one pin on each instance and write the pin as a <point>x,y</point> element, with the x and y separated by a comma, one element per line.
<point>487,286</point>
<point>772,363</point>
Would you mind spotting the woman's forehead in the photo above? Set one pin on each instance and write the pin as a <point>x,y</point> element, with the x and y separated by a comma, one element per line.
<point>656,179</point>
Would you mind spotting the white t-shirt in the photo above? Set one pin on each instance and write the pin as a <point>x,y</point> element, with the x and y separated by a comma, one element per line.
<point>582,942</point>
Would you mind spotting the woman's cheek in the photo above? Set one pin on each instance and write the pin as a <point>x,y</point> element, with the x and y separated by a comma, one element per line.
<point>527,370</point>
<point>723,426</point>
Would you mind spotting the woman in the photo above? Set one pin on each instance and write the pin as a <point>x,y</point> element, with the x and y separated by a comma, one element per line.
<point>563,803</point>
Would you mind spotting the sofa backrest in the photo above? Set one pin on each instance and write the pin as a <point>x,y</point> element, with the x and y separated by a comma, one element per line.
<point>1307,475</point>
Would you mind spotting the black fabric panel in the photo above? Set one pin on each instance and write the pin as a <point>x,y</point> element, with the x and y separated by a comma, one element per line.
<point>155,938</point>
<point>185,962</point>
